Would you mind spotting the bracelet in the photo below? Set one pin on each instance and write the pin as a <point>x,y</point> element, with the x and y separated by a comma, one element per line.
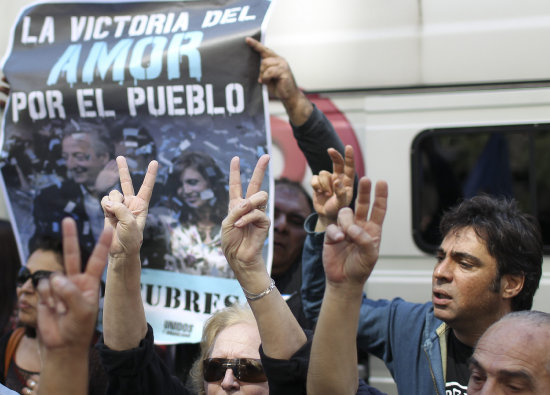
<point>250,296</point>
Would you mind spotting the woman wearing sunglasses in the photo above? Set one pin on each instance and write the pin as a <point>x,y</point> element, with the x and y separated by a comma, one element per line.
<point>229,359</point>
<point>231,352</point>
<point>20,355</point>
<point>21,362</point>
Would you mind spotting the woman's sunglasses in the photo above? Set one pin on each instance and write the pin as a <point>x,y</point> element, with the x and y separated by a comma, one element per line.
<point>24,274</point>
<point>244,369</point>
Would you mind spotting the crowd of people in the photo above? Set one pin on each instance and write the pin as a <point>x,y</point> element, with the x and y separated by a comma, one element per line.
<point>306,321</point>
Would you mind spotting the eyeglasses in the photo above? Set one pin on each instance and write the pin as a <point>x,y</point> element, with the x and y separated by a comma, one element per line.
<point>244,369</point>
<point>24,274</point>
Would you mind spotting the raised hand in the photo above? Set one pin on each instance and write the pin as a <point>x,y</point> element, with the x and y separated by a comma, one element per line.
<point>68,307</point>
<point>275,72</point>
<point>125,212</point>
<point>245,228</point>
<point>333,191</point>
<point>351,248</point>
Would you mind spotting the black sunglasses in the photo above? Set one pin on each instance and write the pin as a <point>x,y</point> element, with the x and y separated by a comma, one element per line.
<point>244,369</point>
<point>24,274</point>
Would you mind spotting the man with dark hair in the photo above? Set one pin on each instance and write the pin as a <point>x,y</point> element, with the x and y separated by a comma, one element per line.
<point>488,265</point>
<point>91,170</point>
<point>511,237</point>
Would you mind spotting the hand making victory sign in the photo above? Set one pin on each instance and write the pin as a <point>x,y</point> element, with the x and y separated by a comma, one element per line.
<point>245,228</point>
<point>67,314</point>
<point>351,247</point>
<point>124,323</point>
<point>69,303</point>
<point>333,191</point>
<point>125,212</point>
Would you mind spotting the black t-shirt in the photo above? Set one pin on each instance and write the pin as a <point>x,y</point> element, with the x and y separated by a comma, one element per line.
<point>458,374</point>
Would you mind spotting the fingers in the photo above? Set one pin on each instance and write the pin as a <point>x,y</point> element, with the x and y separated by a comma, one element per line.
<point>125,179</point>
<point>118,210</point>
<point>349,163</point>
<point>146,189</point>
<point>322,184</point>
<point>352,230</point>
<point>252,211</point>
<point>362,202</point>
<point>260,48</point>
<point>71,249</point>
<point>106,201</point>
<point>254,203</point>
<point>98,259</point>
<point>334,234</point>
<point>255,183</point>
<point>380,205</point>
<point>235,185</point>
<point>337,161</point>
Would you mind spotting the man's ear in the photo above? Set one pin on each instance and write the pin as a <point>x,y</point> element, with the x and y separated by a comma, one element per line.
<point>511,285</point>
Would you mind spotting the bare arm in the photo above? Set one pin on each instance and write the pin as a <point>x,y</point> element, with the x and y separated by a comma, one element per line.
<point>67,314</point>
<point>124,323</point>
<point>350,252</point>
<point>244,231</point>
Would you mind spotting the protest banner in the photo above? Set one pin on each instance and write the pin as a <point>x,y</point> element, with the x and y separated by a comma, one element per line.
<point>171,81</point>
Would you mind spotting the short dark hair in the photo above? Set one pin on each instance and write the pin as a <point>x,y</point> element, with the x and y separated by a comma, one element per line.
<point>511,236</point>
<point>297,186</point>
<point>48,243</point>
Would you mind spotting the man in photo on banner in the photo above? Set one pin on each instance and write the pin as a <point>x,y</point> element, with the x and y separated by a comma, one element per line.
<point>91,170</point>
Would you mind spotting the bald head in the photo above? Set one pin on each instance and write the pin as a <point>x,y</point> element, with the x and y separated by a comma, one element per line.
<point>513,355</point>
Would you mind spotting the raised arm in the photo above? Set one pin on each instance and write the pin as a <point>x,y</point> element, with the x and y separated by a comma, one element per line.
<point>244,231</point>
<point>276,74</point>
<point>350,252</point>
<point>331,192</point>
<point>312,130</point>
<point>124,323</point>
<point>67,313</point>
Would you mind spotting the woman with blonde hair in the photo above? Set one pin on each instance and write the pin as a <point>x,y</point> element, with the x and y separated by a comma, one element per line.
<point>229,354</point>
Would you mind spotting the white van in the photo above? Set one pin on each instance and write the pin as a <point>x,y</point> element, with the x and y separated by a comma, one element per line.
<point>446,98</point>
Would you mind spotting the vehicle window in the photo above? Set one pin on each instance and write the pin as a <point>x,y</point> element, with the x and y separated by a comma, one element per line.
<point>451,164</point>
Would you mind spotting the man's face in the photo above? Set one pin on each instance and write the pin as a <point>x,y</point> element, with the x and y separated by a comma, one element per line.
<point>463,283</point>
<point>83,163</point>
<point>291,210</point>
<point>511,358</point>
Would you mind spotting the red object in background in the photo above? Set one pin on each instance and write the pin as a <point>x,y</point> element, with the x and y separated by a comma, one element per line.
<point>295,162</point>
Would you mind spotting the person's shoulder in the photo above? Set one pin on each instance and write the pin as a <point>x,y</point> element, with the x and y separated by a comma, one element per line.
<point>65,187</point>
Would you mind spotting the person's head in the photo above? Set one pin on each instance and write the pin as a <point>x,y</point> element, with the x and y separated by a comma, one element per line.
<point>86,149</point>
<point>292,206</point>
<point>512,356</point>
<point>230,334</point>
<point>489,263</point>
<point>46,258</point>
<point>200,187</point>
